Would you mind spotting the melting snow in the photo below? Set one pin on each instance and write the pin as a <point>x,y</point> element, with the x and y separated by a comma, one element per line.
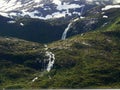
<point>110,7</point>
<point>57,2</point>
<point>105,16</point>
<point>81,17</point>
<point>11,21</point>
<point>67,6</point>
<point>21,24</point>
<point>4,14</point>
<point>8,9</point>
<point>37,1</point>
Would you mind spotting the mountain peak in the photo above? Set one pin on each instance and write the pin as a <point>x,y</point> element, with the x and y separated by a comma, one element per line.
<point>46,9</point>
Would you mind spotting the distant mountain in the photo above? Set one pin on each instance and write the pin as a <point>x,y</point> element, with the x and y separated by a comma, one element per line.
<point>45,31</point>
<point>45,9</point>
<point>31,29</point>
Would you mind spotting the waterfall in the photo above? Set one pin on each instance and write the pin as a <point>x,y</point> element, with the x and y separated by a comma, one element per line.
<point>64,35</point>
<point>82,10</point>
<point>50,58</point>
<point>66,30</point>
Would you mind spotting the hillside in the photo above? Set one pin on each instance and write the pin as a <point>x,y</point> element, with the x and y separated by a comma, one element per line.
<point>19,62</point>
<point>31,29</point>
<point>89,60</point>
<point>47,31</point>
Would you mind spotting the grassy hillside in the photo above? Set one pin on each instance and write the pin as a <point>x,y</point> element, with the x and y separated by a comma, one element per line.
<point>93,20</point>
<point>89,60</point>
<point>19,62</point>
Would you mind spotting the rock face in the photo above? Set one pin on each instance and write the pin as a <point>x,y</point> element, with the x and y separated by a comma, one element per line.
<point>45,9</point>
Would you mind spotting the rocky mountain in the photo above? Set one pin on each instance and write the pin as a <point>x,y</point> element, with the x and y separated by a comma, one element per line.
<point>82,51</point>
<point>46,31</point>
<point>46,9</point>
<point>89,60</point>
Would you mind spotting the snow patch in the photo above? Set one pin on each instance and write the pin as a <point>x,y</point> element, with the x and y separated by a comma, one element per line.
<point>110,7</point>
<point>37,1</point>
<point>67,6</point>
<point>105,16</point>
<point>14,8</point>
<point>11,21</point>
<point>57,2</point>
<point>21,24</point>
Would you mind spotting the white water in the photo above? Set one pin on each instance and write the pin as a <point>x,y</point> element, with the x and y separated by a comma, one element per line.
<point>50,58</point>
<point>64,35</point>
<point>82,9</point>
<point>34,79</point>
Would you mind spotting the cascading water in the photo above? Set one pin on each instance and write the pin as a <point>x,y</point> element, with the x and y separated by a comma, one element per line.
<point>82,9</point>
<point>66,30</point>
<point>64,35</point>
<point>50,58</point>
<point>34,79</point>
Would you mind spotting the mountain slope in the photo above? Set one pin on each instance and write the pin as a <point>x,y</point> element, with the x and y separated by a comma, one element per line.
<point>19,62</point>
<point>89,60</point>
<point>42,9</point>
<point>46,31</point>
<point>32,29</point>
<point>46,9</point>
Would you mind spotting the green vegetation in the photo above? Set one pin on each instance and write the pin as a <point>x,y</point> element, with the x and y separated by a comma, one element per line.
<point>19,62</point>
<point>91,60</point>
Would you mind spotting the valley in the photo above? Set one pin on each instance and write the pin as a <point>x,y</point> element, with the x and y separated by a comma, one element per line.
<point>73,52</point>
